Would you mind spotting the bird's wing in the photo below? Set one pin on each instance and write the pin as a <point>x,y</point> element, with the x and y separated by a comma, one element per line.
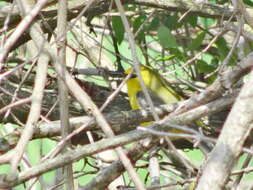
<point>143,102</point>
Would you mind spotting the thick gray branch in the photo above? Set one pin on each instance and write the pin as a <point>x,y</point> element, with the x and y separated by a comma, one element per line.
<point>230,143</point>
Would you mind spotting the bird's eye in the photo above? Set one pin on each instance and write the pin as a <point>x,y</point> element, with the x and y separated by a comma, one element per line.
<point>133,76</point>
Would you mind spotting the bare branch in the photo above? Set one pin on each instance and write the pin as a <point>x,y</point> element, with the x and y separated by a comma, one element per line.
<point>229,146</point>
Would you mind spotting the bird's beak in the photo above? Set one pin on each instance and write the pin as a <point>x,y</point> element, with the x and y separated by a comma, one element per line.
<point>118,74</point>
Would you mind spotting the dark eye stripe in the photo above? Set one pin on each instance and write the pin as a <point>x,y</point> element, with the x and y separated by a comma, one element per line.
<point>133,76</point>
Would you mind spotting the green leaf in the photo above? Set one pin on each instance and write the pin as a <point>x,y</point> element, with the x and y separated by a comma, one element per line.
<point>192,20</point>
<point>197,41</point>
<point>222,47</point>
<point>137,24</point>
<point>207,22</point>
<point>166,39</point>
<point>214,62</point>
<point>179,54</point>
<point>203,67</point>
<point>248,2</point>
<point>167,58</point>
<point>154,23</point>
<point>118,29</point>
<point>171,21</point>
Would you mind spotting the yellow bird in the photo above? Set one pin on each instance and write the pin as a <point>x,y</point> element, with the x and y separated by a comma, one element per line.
<point>159,90</point>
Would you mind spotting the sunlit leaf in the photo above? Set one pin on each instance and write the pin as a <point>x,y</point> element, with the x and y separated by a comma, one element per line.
<point>167,58</point>
<point>207,22</point>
